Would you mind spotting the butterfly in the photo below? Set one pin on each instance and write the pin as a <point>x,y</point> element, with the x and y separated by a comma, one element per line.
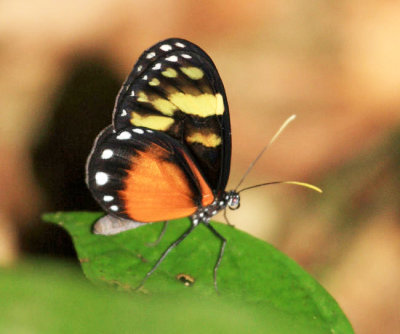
<point>167,153</point>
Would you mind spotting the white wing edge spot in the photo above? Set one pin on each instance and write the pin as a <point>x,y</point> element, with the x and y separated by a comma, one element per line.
<point>150,55</point>
<point>156,66</point>
<point>180,45</point>
<point>108,198</point>
<point>139,131</point>
<point>139,68</point>
<point>186,56</point>
<point>124,113</point>
<point>101,178</point>
<point>124,135</point>
<point>172,58</point>
<point>114,208</point>
<point>166,47</point>
<point>107,154</point>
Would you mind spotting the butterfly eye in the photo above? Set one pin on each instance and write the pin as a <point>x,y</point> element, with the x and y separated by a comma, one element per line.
<point>234,201</point>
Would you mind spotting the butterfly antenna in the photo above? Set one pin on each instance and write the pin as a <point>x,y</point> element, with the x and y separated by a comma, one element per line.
<point>301,184</point>
<point>283,126</point>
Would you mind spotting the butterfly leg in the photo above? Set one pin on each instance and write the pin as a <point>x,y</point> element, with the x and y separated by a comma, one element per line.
<point>155,243</point>
<point>164,255</point>
<point>221,252</point>
<point>227,220</point>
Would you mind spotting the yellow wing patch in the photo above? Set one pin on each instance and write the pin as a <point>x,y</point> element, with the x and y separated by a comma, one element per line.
<point>164,106</point>
<point>142,97</point>
<point>154,82</point>
<point>202,105</point>
<point>153,122</point>
<point>193,73</point>
<point>161,104</point>
<point>169,73</point>
<point>208,140</point>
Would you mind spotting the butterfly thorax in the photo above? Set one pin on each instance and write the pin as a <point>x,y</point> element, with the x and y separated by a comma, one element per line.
<point>229,199</point>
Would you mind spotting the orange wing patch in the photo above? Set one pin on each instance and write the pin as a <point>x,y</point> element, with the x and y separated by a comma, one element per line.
<point>207,195</point>
<point>157,189</point>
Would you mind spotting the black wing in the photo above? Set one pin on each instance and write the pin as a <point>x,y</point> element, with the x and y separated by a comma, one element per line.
<point>175,88</point>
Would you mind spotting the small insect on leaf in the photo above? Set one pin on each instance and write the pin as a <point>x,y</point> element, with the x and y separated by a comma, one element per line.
<point>186,279</point>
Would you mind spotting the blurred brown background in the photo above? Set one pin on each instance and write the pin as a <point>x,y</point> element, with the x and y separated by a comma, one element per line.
<point>333,63</point>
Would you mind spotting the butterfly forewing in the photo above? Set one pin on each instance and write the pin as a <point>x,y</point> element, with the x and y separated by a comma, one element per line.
<point>175,88</point>
<point>145,175</point>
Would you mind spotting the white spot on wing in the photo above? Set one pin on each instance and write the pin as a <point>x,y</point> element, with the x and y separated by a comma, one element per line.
<point>124,113</point>
<point>186,56</point>
<point>101,178</point>
<point>150,55</point>
<point>172,58</point>
<point>108,198</point>
<point>156,66</point>
<point>139,68</point>
<point>139,131</point>
<point>166,47</point>
<point>132,93</point>
<point>107,154</point>
<point>124,135</point>
<point>145,77</point>
<point>114,208</point>
<point>180,45</point>
<point>149,131</point>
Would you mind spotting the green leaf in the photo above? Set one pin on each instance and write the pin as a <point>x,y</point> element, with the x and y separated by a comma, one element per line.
<point>251,272</point>
<point>45,298</point>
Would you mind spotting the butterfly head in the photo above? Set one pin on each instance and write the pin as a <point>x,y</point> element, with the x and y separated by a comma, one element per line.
<point>232,200</point>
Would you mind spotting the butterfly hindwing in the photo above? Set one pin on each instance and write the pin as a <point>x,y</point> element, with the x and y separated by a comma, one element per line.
<point>175,88</point>
<point>144,175</point>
